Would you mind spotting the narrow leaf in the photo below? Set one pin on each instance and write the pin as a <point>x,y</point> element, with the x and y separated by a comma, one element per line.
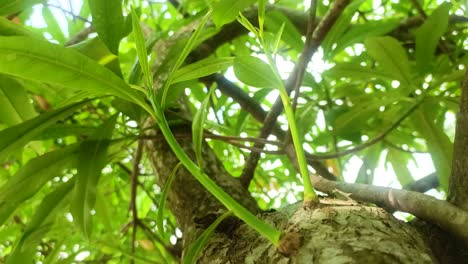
<point>141,51</point>
<point>71,69</point>
<point>108,22</point>
<point>162,201</point>
<point>197,246</point>
<point>399,163</point>
<point>437,142</point>
<point>202,68</point>
<point>31,177</point>
<point>185,52</point>
<point>197,127</point>
<point>40,224</point>
<point>15,106</point>
<point>53,26</point>
<point>93,154</point>
<point>227,10</point>
<point>15,137</point>
<point>11,7</point>
<point>391,56</point>
<point>428,35</point>
<point>254,72</point>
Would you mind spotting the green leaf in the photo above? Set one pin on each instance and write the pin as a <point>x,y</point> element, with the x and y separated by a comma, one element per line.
<point>41,222</point>
<point>96,49</point>
<point>265,229</point>
<point>15,106</point>
<point>92,159</point>
<point>261,14</point>
<point>108,22</point>
<point>370,162</point>
<point>226,11</point>
<point>13,6</point>
<point>359,32</point>
<point>391,56</point>
<point>31,177</point>
<point>197,127</point>
<point>339,27</point>
<point>53,26</point>
<point>275,20</point>
<point>202,68</point>
<point>428,36</point>
<point>162,201</point>
<point>437,142</point>
<point>185,52</point>
<point>357,117</point>
<point>15,137</point>
<point>356,71</point>
<point>70,68</point>
<point>254,72</point>
<point>399,161</point>
<point>197,246</point>
<point>9,28</point>
<point>141,51</point>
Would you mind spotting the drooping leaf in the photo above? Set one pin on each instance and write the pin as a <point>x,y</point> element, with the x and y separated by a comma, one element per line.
<point>254,72</point>
<point>70,68</point>
<point>108,21</point>
<point>428,36</point>
<point>41,222</point>
<point>92,159</point>
<point>370,163</point>
<point>391,56</point>
<point>359,32</point>
<point>197,127</point>
<point>198,245</point>
<point>340,26</point>
<point>32,176</point>
<point>15,106</point>
<point>399,161</point>
<point>11,7</point>
<point>202,68</point>
<point>227,10</point>
<point>15,137</point>
<point>437,141</point>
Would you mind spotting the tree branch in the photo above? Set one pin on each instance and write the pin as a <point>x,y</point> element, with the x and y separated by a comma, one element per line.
<point>458,182</point>
<point>444,214</point>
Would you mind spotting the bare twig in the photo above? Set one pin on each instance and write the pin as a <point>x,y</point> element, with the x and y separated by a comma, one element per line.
<point>370,142</point>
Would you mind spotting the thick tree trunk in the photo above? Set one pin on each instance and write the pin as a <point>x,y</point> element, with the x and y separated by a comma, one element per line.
<point>340,231</point>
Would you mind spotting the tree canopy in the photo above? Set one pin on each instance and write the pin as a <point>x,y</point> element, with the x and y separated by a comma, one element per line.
<point>292,97</point>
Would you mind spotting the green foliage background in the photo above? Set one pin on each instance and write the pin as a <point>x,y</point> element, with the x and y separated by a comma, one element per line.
<point>380,79</point>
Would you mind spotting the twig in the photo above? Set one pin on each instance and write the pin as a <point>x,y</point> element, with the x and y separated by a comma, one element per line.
<point>424,184</point>
<point>370,142</point>
<point>70,13</point>
<point>82,35</point>
<point>313,41</point>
